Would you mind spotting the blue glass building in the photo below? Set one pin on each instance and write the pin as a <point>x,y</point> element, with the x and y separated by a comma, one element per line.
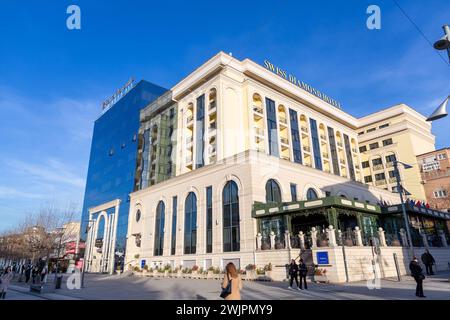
<point>112,161</point>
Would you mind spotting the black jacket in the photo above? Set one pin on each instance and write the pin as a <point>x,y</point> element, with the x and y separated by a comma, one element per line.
<point>293,269</point>
<point>427,258</point>
<point>303,269</point>
<point>416,269</point>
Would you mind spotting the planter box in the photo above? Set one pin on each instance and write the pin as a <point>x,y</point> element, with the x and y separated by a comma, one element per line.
<point>320,279</point>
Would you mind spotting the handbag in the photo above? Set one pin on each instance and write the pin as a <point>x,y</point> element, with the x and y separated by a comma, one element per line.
<point>227,290</point>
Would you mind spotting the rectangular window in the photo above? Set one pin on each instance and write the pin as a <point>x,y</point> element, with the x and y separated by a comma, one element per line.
<point>316,144</point>
<point>333,150</point>
<point>293,192</point>
<point>200,132</point>
<point>209,220</point>
<point>390,158</point>
<point>363,149</point>
<point>174,226</point>
<point>368,179</point>
<point>441,156</point>
<point>365,164</point>
<point>384,126</point>
<point>391,174</point>
<point>377,161</point>
<point>348,150</point>
<point>371,130</point>
<point>387,142</point>
<point>272,127</point>
<point>380,176</point>
<point>295,136</point>
<point>360,133</point>
<point>374,145</point>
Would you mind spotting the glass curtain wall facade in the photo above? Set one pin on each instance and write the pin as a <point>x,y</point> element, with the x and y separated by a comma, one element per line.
<point>333,150</point>
<point>112,159</point>
<point>348,151</point>
<point>209,220</point>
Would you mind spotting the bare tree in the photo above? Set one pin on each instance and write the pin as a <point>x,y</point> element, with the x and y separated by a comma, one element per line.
<point>39,235</point>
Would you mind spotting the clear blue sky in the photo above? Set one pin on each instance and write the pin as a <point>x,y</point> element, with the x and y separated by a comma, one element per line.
<point>52,80</point>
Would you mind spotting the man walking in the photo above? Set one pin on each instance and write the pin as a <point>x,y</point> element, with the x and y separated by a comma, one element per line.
<point>417,274</point>
<point>303,269</point>
<point>428,261</point>
<point>293,273</point>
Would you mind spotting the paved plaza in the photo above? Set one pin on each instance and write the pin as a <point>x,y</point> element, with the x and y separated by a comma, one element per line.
<point>126,287</point>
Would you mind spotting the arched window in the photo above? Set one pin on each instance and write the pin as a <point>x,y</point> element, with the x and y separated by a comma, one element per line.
<point>311,194</point>
<point>138,215</point>
<point>190,223</point>
<point>273,191</point>
<point>159,229</point>
<point>100,228</point>
<point>231,231</point>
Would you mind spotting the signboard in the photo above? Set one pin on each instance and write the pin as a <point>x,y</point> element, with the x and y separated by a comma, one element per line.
<point>292,79</point>
<point>142,264</point>
<point>99,243</point>
<point>431,166</point>
<point>322,257</point>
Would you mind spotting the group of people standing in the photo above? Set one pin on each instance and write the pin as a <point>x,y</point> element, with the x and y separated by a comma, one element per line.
<point>298,270</point>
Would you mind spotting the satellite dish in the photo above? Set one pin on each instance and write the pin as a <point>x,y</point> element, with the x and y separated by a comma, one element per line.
<point>440,112</point>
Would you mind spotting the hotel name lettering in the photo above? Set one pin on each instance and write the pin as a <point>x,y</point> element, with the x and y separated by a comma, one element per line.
<point>289,77</point>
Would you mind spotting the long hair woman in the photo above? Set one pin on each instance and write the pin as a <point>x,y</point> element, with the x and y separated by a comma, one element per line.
<point>232,275</point>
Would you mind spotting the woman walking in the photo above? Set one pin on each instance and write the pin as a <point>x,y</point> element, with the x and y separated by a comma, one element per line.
<point>231,277</point>
<point>5,279</point>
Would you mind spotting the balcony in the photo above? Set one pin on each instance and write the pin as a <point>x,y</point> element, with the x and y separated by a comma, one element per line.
<point>389,164</point>
<point>212,151</point>
<point>285,157</point>
<point>212,107</point>
<point>212,130</point>
<point>188,141</point>
<point>257,109</point>
<point>189,119</point>
<point>339,144</point>
<point>284,140</point>
<point>354,150</point>
<point>392,180</point>
<point>282,120</point>
<point>378,167</point>
<point>342,161</point>
<point>307,149</point>
<point>323,137</point>
<point>304,129</point>
<point>325,155</point>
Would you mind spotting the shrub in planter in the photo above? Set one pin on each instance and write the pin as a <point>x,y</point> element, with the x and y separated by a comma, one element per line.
<point>136,256</point>
<point>146,267</point>
<point>268,267</point>
<point>136,268</point>
<point>260,271</point>
<point>195,268</point>
<point>250,267</point>
<point>279,245</point>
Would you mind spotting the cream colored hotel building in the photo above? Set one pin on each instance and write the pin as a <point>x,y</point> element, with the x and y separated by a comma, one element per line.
<point>238,151</point>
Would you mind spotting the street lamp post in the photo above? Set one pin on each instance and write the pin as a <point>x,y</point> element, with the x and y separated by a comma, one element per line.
<point>84,258</point>
<point>400,191</point>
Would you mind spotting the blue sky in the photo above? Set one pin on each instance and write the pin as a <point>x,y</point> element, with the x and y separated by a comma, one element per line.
<point>52,80</point>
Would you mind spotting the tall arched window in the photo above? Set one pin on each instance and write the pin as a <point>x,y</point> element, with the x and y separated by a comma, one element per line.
<point>159,229</point>
<point>190,223</point>
<point>231,231</point>
<point>273,191</point>
<point>100,228</point>
<point>311,194</point>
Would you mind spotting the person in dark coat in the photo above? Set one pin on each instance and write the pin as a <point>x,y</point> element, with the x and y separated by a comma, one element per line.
<point>428,261</point>
<point>303,270</point>
<point>417,274</point>
<point>293,273</point>
<point>28,273</point>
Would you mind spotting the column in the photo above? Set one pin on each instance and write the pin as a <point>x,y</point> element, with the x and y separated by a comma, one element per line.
<point>382,237</point>
<point>358,237</point>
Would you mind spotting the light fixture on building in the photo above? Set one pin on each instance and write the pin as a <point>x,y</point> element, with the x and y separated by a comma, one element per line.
<point>440,112</point>
<point>444,42</point>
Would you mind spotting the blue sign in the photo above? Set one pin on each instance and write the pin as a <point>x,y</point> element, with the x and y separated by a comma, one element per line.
<point>142,264</point>
<point>322,257</point>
